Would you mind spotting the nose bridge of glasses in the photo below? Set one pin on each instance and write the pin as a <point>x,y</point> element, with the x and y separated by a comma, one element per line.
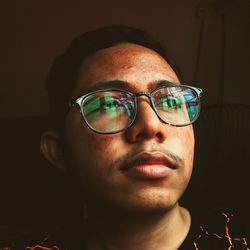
<point>142,93</point>
<point>147,94</point>
<point>149,100</point>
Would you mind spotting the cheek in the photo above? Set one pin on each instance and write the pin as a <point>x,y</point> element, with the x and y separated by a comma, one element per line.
<point>91,158</point>
<point>101,148</point>
<point>87,150</point>
<point>181,142</point>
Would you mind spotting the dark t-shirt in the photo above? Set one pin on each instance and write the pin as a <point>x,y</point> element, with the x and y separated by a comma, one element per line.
<point>213,230</point>
<point>216,230</point>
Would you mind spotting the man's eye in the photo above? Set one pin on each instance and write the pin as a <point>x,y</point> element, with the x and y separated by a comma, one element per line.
<point>111,104</point>
<point>173,103</point>
<point>168,102</point>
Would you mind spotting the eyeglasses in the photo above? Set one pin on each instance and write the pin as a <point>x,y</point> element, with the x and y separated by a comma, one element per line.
<point>111,111</point>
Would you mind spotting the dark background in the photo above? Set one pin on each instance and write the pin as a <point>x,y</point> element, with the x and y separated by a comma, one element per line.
<point>209,40</point>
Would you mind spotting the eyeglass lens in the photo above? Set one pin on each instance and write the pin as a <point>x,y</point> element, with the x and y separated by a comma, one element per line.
<point>109,111</point>
<point>176,105</point>
<point>112,111</point>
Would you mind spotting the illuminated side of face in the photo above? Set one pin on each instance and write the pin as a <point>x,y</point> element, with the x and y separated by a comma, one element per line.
<point>148,166</point>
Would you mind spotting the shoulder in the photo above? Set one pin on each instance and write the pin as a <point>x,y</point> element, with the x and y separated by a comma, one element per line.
<point>46,238</point>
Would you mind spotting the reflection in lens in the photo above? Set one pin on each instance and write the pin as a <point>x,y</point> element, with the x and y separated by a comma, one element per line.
<point>109,111</point>
<point>176,105</point>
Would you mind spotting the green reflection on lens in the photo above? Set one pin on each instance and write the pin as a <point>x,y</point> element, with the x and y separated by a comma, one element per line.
<point>191,104</point>
<point>110,106</point>
<point>192,111</point>
<point>92,109</point>
<point>110,109</point>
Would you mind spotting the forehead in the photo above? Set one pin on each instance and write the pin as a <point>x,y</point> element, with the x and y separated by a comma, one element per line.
<point>131,63</point>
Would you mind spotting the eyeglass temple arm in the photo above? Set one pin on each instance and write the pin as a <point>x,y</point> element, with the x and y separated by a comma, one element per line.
<point>199,91</point>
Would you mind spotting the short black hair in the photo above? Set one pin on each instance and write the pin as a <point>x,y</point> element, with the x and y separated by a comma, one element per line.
<point>64,71</point>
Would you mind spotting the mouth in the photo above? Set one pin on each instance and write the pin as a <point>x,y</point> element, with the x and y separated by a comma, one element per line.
<point>150,165</point>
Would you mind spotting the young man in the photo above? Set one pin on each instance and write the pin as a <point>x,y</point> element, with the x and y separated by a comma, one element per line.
<point>124,132</point>
<point>121,128</point>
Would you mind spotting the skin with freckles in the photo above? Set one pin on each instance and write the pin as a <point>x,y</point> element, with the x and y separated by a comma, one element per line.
<point>140,67</point>
<point>96,160</point>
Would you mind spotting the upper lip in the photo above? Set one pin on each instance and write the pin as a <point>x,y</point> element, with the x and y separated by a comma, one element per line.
<point>152,158</point>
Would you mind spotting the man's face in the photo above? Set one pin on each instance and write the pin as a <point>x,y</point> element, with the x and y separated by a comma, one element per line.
<point>148,166</point>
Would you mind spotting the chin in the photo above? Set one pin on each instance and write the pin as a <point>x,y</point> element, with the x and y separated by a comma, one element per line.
<point>147,209</point>
<point>138,199</point>
<point>151,203</point>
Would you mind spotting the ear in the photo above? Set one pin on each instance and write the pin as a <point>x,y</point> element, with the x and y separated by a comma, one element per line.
<point>51,148</point>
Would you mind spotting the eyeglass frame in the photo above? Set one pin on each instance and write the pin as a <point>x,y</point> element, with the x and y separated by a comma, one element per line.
<point>198,92</point>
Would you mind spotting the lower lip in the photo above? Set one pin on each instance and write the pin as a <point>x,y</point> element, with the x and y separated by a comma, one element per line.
<point>150,171</point>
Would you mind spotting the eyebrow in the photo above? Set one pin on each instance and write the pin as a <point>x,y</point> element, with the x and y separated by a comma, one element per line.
<point>119,84</point>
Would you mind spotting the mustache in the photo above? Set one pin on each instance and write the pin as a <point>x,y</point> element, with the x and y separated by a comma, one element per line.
<point>176,159</point>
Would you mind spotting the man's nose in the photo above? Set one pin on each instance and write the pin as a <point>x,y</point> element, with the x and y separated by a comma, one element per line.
<point>147,125</point>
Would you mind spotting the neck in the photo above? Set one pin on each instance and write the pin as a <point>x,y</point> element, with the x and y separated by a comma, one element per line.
<point>134,231</point>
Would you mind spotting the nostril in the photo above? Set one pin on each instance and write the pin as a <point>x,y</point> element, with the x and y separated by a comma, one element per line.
<point>141,136</point>
<point>159,135</point>
<point>146,135</point>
